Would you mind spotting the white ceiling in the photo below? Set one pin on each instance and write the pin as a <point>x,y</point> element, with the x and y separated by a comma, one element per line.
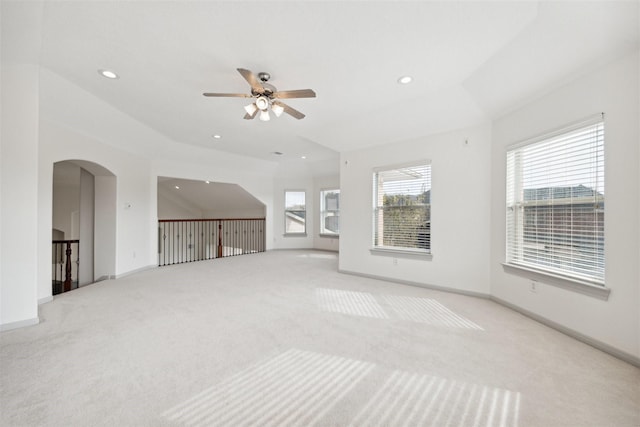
<point>471,61</point>
<point>208,196</point>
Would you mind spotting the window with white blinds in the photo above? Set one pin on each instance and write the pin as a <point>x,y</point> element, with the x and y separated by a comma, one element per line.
<point>402,207</point>
<point>330,212</point>
<point>555,203</point>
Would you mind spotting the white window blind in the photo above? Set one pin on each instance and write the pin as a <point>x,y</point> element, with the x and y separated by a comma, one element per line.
<point>402,207</point>
<point>295,212</point>
<point>555,203</point>
<point>330,212</point>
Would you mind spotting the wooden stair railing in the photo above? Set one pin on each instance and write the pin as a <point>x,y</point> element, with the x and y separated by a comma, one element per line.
<point>59,248</point>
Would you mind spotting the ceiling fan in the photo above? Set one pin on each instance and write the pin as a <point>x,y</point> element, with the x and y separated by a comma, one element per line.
<point>266,97</point>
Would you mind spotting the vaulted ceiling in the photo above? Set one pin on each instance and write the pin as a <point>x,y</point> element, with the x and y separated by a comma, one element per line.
<point>470,62</point>
<point>206,196</point>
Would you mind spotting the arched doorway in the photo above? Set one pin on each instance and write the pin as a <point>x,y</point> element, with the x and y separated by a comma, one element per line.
<point>83,224</point>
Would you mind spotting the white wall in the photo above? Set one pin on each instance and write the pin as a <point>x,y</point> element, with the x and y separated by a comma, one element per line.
<point>66,200</point>
<point>170,207</point>
<point>87,225</point>
<point>20,37</point>
<point>459,216</point>
<point>235,213</point>
<point>614,91</point>
<point>19,171</point>
<point>104,261</point>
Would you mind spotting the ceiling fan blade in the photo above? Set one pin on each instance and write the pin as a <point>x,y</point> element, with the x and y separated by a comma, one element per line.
<point>248,116</point>
<point>290,111</point>
<point>300,93</point>
<point>232,95</point>
<point>251,78</point>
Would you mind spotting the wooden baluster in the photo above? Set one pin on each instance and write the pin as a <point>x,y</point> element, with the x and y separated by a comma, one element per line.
<point>67,273</point>
<point>220,239</point>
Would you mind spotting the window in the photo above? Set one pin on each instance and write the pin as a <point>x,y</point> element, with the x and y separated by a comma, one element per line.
<point>330,212</point>
<point>402,208</point>
<point>555,203</point>
<point>295,212</point>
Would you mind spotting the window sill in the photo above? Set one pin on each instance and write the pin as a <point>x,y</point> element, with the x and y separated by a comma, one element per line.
<point>294,235</point>
<point>402,253</point>
<point>569,283</point>
<point>331,236</point>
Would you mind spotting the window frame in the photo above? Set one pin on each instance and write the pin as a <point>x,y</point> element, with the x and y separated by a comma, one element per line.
<point>323,210</point>
<point>555,273</point>
<point>399,251</point>
<point>286,211</point>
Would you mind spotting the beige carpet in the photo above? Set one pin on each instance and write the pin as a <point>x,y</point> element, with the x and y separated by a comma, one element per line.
<point>281,339</point>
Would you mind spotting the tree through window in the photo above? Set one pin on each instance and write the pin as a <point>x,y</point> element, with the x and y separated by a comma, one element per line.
<point>402,207</point>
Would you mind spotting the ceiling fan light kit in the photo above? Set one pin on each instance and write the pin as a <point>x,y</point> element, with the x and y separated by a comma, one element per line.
<point>277,109</point>
<point>251,108</point>
<point>262,103</point>
<point>266,97</point>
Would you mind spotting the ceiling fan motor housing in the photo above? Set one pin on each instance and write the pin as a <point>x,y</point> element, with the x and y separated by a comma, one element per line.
<point>269,89</point>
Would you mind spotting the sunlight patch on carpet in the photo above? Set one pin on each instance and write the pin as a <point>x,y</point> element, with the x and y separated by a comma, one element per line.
<point>413,309</point>
<point>426,310</point>
<point>349,302</point>
<point>295,387</point>
<point>408,399</point>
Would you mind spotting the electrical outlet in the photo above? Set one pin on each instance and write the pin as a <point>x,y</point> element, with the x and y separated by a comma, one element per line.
<point>533,287</point>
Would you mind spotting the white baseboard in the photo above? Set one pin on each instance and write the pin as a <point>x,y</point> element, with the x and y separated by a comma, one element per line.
<point>19,324</point>
<point>418,284</point>
<point>45,300</point>
<point>137,270</point>
<point>622,355</point>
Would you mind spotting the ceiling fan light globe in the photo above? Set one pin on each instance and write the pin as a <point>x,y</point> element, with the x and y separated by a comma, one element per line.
<point>250,109</point>
<point>277,110</point>
<point>262,103</point>
<point>264,116</point>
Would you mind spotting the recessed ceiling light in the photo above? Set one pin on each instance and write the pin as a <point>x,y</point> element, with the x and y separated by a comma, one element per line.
<point>217,136</point>
<point>207,182</point>
<point>177,188</point>
<point>405,80</point>
<point>108,74</point>
<point>303,157</point>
